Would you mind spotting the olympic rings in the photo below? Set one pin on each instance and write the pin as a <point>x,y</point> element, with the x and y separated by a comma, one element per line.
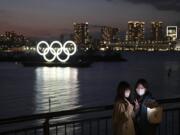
<point>56,52</point>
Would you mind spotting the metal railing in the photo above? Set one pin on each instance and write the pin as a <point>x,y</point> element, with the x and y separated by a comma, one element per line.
<point>84,121</point>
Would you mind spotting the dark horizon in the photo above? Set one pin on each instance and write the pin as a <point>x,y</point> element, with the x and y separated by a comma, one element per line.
<point>44,18</point>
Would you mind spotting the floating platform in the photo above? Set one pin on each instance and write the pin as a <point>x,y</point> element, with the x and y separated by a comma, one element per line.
<point>56,64</point>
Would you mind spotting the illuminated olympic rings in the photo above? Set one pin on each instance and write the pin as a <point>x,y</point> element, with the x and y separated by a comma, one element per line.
<point>56,52</point>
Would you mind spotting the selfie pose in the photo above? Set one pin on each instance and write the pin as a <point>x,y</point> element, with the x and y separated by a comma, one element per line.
<point>145,123</point>
<point>123,111</point>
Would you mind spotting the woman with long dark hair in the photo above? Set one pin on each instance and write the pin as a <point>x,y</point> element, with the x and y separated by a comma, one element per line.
<point>123,111</point>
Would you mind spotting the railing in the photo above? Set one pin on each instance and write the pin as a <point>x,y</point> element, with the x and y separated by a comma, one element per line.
<point>83,121</point>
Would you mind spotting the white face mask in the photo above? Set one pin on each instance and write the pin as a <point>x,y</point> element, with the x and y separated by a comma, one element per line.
<point>140,92</point>
<point>127,94</point>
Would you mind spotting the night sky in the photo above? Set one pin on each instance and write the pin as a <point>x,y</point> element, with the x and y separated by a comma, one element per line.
<point>54,17</point>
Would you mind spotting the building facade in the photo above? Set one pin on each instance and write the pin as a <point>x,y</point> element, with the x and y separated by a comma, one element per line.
<point>135,31</point>
<point>81,34</point>
<point>109,35</point>
<point>171,31</point>
<point>157,31</point>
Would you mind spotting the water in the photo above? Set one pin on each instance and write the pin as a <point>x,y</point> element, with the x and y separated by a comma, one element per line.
<point>28,90</point>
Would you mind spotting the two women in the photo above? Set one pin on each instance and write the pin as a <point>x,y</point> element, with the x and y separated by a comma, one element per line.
<point>130,118</point>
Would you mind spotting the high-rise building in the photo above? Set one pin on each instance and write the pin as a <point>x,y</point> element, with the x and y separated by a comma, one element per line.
<point>81,34</point>
<point>109,34</point>
<point>135,31</point>
<point>157,31</point>
<point>171,31</point>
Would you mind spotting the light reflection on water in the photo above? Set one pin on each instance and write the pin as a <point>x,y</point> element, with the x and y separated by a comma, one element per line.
<point>58,84</point>
<point>26,91</point>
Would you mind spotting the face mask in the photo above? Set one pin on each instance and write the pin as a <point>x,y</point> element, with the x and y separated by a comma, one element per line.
<point>141,92</point>
<point>127,94</point>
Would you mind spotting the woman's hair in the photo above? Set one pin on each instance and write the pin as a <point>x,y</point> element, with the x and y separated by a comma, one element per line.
<point>122,86</point>
<point>142,82</point>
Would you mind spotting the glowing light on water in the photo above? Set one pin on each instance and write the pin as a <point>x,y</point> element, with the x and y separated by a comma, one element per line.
<point>60,85</point>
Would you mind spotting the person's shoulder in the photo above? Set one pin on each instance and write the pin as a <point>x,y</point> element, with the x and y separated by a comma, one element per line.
<point>150,101</point>
<point>149,96</point>
<point>120,103</point>
<point>120,107</point>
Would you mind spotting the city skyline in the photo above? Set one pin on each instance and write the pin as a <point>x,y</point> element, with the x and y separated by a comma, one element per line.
<point>136,31</point>
<point>52,18</point>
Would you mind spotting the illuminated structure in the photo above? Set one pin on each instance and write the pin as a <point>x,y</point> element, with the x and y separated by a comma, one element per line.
<point>109,34</point>
<point>178,33</point>
<point>177,47</point>
<point>81,33</point>
<point>157,31</point>
<point>171,31</point>
<point>13,41</point>
<point>56,51</point>
<point>135,31</point>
